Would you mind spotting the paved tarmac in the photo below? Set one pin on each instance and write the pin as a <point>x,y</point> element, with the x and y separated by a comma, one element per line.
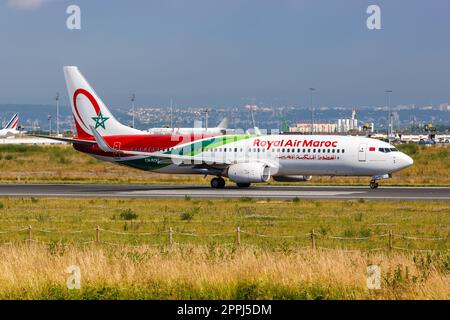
<point>256,191</point>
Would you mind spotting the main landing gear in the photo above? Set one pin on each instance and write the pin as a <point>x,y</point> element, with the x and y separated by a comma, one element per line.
<point>373,184</point>
<point>218,183</point>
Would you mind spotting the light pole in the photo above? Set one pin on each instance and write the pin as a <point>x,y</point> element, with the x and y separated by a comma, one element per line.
<point>312,109</point>
<point>57,113</point>
<point>389,122</point>
<point>133,97</point>
<point>206,111</point>
<point>171,113</point>
<point>50,124</point>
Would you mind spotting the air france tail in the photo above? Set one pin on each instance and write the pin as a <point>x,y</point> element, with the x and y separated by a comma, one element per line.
<point>89,110</point>
<point>12,124</point>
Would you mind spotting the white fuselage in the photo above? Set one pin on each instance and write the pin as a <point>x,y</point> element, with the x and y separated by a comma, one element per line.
<point>303,155</point>
<point>6,133</point>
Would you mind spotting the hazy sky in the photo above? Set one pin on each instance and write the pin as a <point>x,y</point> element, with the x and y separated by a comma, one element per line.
<point>223,52</point>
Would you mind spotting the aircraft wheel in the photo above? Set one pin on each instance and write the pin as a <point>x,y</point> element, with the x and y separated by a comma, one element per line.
<point>373,185</point>
<point>243,185</point>
<point>217,183</point>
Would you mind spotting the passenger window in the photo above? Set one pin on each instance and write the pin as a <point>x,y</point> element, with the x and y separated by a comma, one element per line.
<point>343,150</point>
<point>333,150</point>
<point>337,150</point>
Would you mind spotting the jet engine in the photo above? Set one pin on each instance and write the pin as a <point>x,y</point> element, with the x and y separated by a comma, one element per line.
<point>249,172</point>
<point>291,178</point>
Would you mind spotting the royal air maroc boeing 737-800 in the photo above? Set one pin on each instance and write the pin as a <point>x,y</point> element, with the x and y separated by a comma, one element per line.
<point>242,158</point>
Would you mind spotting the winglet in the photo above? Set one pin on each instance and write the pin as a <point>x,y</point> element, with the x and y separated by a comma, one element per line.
<point>101,142</point>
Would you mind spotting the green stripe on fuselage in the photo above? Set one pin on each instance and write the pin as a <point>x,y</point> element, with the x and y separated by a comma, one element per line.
<point>193,149</point>
<point>197,147</point>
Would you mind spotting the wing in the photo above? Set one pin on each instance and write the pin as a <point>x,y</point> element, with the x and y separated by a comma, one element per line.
<point>69,140</point>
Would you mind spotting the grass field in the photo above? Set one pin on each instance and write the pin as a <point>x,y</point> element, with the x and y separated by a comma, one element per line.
<point>284,223</point>
<point>62,164</point>
<point>134,260</point>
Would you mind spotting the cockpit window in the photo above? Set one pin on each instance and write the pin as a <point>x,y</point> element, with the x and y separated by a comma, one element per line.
<point>387,150</point>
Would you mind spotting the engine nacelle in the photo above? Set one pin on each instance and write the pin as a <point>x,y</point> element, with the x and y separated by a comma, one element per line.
<point>291,178</point>
<point>251,172</point>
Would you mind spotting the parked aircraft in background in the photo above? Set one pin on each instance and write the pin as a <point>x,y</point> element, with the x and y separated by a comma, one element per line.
<point>10,129</point>
<point>242,158</point>
<point>220,129</point>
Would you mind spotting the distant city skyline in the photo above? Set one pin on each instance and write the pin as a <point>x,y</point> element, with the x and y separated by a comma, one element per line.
<point>228,53</point>
<point>34,117</point>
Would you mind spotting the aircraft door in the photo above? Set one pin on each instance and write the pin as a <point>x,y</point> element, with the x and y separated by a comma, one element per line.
<point>117,146</point>
<point>362,152</point>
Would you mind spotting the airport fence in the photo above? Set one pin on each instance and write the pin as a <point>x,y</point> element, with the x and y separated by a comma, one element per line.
<point>170,236</point>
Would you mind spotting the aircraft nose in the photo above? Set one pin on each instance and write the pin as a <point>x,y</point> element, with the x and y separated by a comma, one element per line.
<point>407,161</point>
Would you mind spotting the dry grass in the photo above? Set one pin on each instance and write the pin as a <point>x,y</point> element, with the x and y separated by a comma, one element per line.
<point>43,164</point>
<point>201,272</point>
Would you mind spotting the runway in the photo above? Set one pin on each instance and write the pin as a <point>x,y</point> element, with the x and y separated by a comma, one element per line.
<point>260,192</point>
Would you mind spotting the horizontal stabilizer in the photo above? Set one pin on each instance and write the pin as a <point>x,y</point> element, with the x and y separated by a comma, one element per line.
<point>69,140</point>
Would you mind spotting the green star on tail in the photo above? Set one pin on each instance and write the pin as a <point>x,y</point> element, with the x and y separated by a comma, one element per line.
<point>100,120</point>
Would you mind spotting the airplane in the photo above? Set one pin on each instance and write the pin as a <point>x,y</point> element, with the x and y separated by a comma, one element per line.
<point>11,127</point>
<point>220,129</point>
<point>242,158</point>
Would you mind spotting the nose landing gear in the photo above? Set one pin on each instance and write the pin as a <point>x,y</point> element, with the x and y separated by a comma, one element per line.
<point>217,183</point>
<point>374,183</point>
